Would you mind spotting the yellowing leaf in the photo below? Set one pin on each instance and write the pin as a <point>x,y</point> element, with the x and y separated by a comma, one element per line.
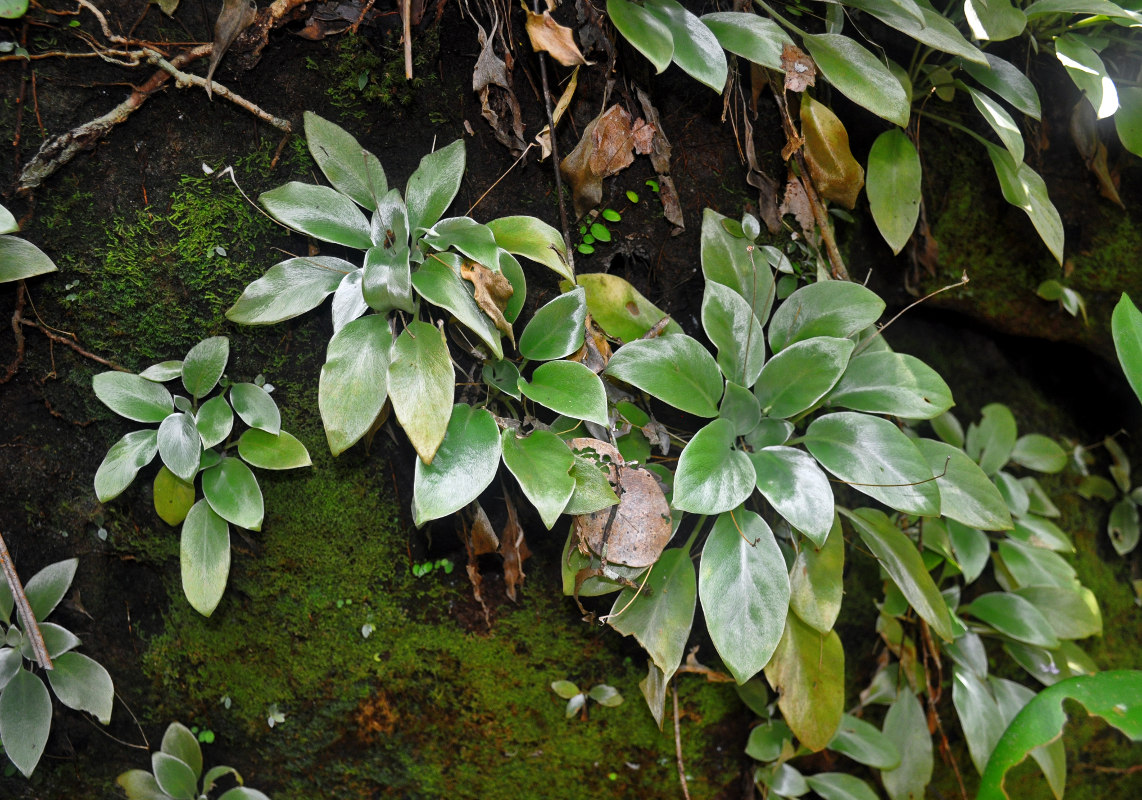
<point>836,174</point>
<point>548,36</point>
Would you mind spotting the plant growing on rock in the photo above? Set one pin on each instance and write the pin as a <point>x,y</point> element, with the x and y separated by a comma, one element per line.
<point>195,439</point>
<point>176,773</point>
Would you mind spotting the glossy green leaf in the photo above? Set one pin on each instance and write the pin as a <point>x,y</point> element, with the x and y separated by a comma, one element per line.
<point>465,464</point>
<point>696,49</point>
<point>1007,81</point>
<point>1126,329</point>
<point>994,20</point>
<point>388,227</point>
<point>351,168</point>
<point>510,269</point>
<point>173,497</point>
<point>1128,119</point>
<point>826,308</point>
<point>769,433</point>
<point>1012,616</point>
<point>734,262</point>
<point>661,619</point>
<point>261,449</point>
<point>232,491</point>
<point>923,24</point>
<point>676,369</point>
<point>434,185</point>
<point>1073,612</point>
<point>646,32</point>
<point>503,375</point>
<point>966,494</point>
<point>796,488</point>
<point>859,75</point>
<point>865,744</point>
<point>992,440</point>
<point>348,301</point>
<point>733,329</point>
<point>535,239</point>
<point>180,742</point>
<point>8,222</point>
<point>767,741</point>
<point>204,365</point>
<point>593,491</point>
<point>47,587</point>
<point>1123,527</point>
<point>979,716</point>
<point>1028,565</point>
<point>1043,533</point>
<point>255,406</point>
<point>751,36</point>
<point>906,726</point>
<point>180,446</point>
<point>901,560</point>
<point>386,282</point>
<point>798,377</point>
<point>25,720</point>
<point>808,670</point>
<point>174,776</point>
<point>139,784</point>
<point>214,421</point>
<point>875,458</point>
<point>568,388</point>
<point>1025,189</point>
<point>839,786</point>
<point>542,464</point>
<point>438,281</point>
<point>816,582</point>
<point>421,385</point>
<point>744,588</point>
<point>556,330</point>
<point>466,236</point>
<point>1040,453</point>
<point>354,380</point>
<point>318,211</point>
<point>132,396</point>
<point>1052,758</point>
<point>782,780</point>
<point>605,695</point>
<point>893,186</point>
<point>712,477</point>
<point>619,309</point>
<point>1039,503</point>
<point>739,406</point>
<point>123,462</point>
<point>20,259</point>
<point>1001,122</point>
<point>1014,495</point>
<point>1088,72</point>
<point>204,557</point>
<point>289,289</point>
<point>163,371</point>
<point>82,684</point>
<point>1114,696</point>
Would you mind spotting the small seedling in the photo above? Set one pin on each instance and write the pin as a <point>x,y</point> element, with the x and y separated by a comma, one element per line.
<point>601,693</point>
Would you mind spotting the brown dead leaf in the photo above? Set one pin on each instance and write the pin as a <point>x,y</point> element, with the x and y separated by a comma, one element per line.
<point>492,292</point>
<point>491,80</point>
<point>543,138</point>
<point>481,537</point>
<point>800,71</point>
<point>660,160</point>
<point>514,550</point>
<point>796,202</point>
<point>548,36</point>
<point>1084,133</point>
<point>836,175</point>
<point>643,135</point>
<point>596,350</point>
<point>605,149</point>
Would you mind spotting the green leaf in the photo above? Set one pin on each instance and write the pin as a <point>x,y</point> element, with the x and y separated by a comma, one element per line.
<point>466,236</point>
<point>712,477</point>
<point>660,619</point>
<point>839,786</point>
<point>503,375</point>
<point>894,384</point>
<point>733,329</point>
<point>354,380</point>
<point>565,689</point>
<point>173,497</point>
<point>351,168</point>
<point>1123,526</point>
<point>808,670</point>
<point>1012,616</point>
<point>923,24</point>
<point>174,776</point>
<point>646,32</point>
<point>214,421</point>
<point>605,695</point>
<point>966,494</point>
<point>906,726</point>
<point>568,388</point>
<point>204,557</point>
<point>556,330</point>
<point>180,446</point>
<point>535,239</point>
<point>619,309</point>
<point>795,379</point>
<point>542,464</point>
<point>82,684</point>
<point>859,75</point>
<point>133,396</point>
<point>232,491</point>
<point>243,793</point>
<point>25,720</point>
<point>893,186</point>
<point>289,289</point>
<point>386,283</point>
<point>696,49</point>
<point>1042,533</point>
<point>20,259</point>
<point>1088,72</point>
<point>1114,696</point>
<point>979,716</point>
<point>438,281</point>
<point>465,464</point>
<point>163,371</point>
<point>8,222</point>
<point>767,741</point>
<point>47,587</point>
<point>875,458</point>
<point>1007,81</point>
<point>816,580</point>
<point>180,742</point>
<point>1001,122</point>
<point>994,20</point>
<point>320,212</point>
<point>1128,119</point>
<point>123,462</point>
<point>259,448</point>
<point>1072,611</point>
<point>740,407</point>
<point>796,488</point>
<point>421,386</point>
<point>751,36</point>
<point>733,262</point>
<point>1052,758</point>
<point>901,560</point>
<point>1025,189</point>
<point>593,491</point>
<point>1126,329</point>
<point>865,744</point>
<point>827,308</point>
<point>434,185</point>
<point>1027,565</point>
<point>255,406</point>
<point>992,441</point>
<point>139,784</point>
<point>204,365</point>
<point>744,588</point>
<point>676,369</point>
<point>348,301</point>
<point>1039,453</point>
<point>510,269</point>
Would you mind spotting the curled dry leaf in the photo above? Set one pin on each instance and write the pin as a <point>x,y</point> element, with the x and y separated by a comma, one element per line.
<point>1084,133</point>
<point>543,138</point>
<point>548,36</point>
<point>836,175</point>
<point>800,71</point>
<point>481,537</point>
<point>605,149</point>
<point>659,153</point>
<point>492,292</point>
<point>500,107</point>
<point>796,202</point>
<point>514,550</point>
<point>596,350</point>
<point>234,17</point>
<point>634,532</point>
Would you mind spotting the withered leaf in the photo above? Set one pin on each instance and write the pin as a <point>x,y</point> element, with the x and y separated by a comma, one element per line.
<point>796,202</point>
<point>233,18</point>
<point>660,160</point>
<point>543,138</point>
<point>492,292</point>
<point>1084,133</point>
<point>800,71</point>
<point>548,36</point>
<point>605,148</point>
<point>596,350</point>
<point>642,135</point>
<point>481,536</point>
<point>499,107</point>
<point>836,175</point>
<point>514,550</point>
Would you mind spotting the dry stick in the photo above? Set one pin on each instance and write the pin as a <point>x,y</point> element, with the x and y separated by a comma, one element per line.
<point>678,746</point>
<point>27,618</point>
<point>555,154</point>
<point>406,22</point>
<point>55,337</point>
<point>17,318</point>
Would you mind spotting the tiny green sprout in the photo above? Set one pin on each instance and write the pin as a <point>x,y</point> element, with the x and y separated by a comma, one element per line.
<point>274,716</point>
<point>653,184</point>
<point>445,564</point>
<point>610,215</point>
<point>632,196</point>
<point>600,232</point>
<point>367,630</point>
<point>576,699</point>
<point>585,249</point>
<point>582,230</point>
<point>588,239</point>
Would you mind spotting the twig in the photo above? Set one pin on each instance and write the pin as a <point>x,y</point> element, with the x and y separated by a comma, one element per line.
<point>555,154</point>
<point>55,337</point>
<point>24,608</point>
<point>678,746</point>
<point>406,23</point>
<point>17,317</point>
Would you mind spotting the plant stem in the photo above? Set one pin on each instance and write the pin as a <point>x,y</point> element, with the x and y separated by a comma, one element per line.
<point>678,746</point>
<point>24,608</point>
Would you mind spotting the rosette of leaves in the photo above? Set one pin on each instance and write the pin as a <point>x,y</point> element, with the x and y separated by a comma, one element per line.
<point>19,259</point>
<point>197,444</point>
<point>176,773</point>
<point>76,680</point>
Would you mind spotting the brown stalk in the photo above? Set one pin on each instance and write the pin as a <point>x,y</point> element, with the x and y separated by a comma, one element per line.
<point>24,609</point>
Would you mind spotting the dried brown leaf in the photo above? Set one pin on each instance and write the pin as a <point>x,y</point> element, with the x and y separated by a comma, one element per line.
<point>660,160</point>
<point>642,134</point>
<point>800,71</point>
<point>491,80</point>
<point>514,550</point>
<point>1084,133</point>
<point>543,138</point>
<point>481,537</point>
<point>612,142</point>
<point>492,292</point>
<point>548,36</point>
<point>796,202</point>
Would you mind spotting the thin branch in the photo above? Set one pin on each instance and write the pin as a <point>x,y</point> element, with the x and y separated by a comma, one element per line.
<point>555,154</point>
<point>24,608</point>
<point>678,746</point>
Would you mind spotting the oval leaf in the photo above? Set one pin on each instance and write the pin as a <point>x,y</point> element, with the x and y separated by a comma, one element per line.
<point>320,212</point>
<point>796,488</point>
<point>82,684</point>
<point>180,446</point>
<point>259,448</point>
<point>733,329</point>
<point>859,75</point>
<point>568,388</point>
<point>204,365</point>
<point>966,494</point>
<point>816,581</point>
<point>232,491</point>
<point>173,497</point>
<point>836,174</point>
<point>808,669</point>
<point>542,464</point>
<point>204,556</point>
<point>894,384</point>
<point>464,465</point>
<point>894,187</point>
<point>1012,616</point>
<point>751,36</point>
<point>354,380</point>
<point>827,308</point>
<point>25,720</point>
<point>556,330</point>
<point>676,369</point>
<point>619,309</point>
<point>800,375</point>
<point>288,289</point>
<point>133,396</point>
<point>123,462</point>
<point>438,281</point>
<point>20,259</point>
<point>865,744</point>
<point>349,167</point>
<point>433,186</point>
<point>256,408</point>
<point>421,386</point>
<point>535,239</point>
<point>661,619</point>
<point>214,421</point>
<point>646,32</point>
<point>712,477</point>
<point>696,49</point>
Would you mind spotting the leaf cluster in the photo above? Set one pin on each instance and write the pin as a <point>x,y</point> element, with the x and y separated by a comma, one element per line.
<point>176,773</point>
